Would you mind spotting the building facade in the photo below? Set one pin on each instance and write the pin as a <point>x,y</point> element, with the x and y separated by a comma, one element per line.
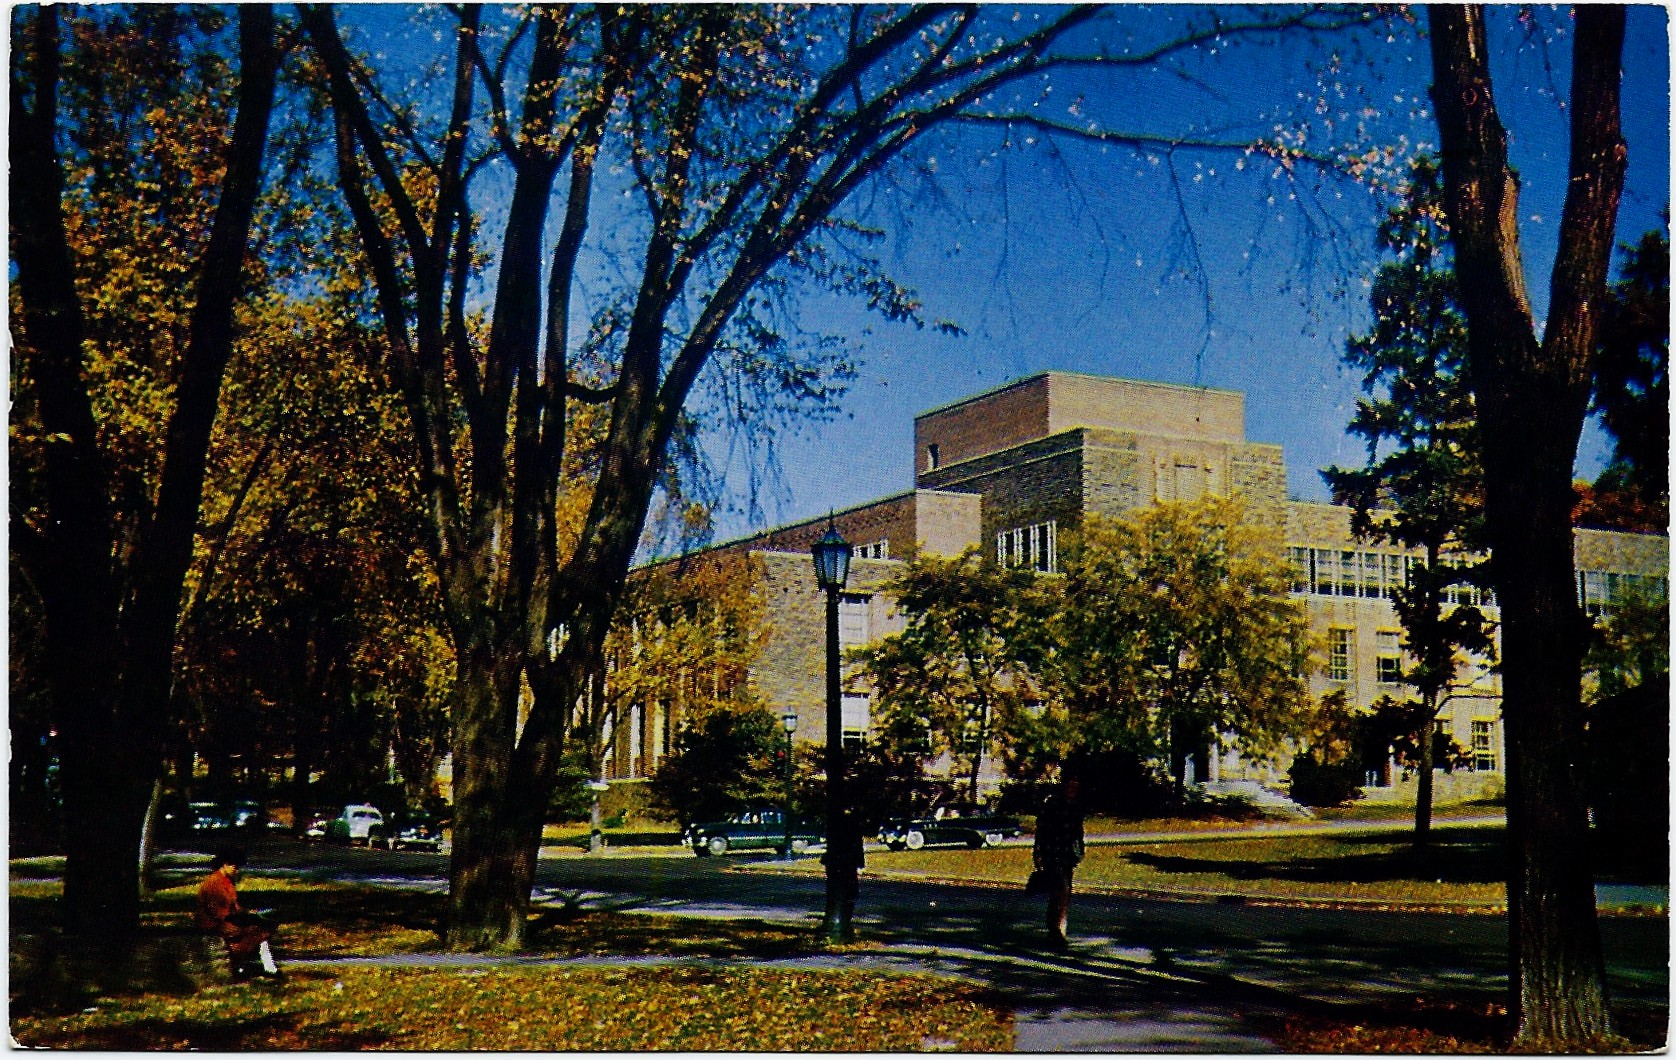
<point>1011,470</point>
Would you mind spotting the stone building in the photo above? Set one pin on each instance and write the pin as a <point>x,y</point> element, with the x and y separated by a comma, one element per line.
<point>1011,469</point>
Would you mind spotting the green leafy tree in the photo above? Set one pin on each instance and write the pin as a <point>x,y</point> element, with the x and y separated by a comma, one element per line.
<point>1632,386</point>
<point>1421,487</point>
<point>126,124</point>
<point>1631,645</point>
<point>950,676</point>
<point>1174,630</point>
<point>682,643</point>
<point>724,762</point>
<point>1521,377</point>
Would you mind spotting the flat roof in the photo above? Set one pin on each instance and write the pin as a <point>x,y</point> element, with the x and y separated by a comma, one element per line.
<point>746,539</point>
<point>1022,380</point>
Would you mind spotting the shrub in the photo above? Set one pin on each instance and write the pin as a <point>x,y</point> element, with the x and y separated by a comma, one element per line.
<point>1316,783</point>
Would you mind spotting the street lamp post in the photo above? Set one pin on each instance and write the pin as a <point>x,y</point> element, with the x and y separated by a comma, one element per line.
<point>789,720</point>
<point>596,837</point>
<point>832,569</point>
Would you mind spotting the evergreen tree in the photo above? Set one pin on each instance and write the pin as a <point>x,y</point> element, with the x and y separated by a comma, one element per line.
<point>1422,487</point>
<point>1632,392</point>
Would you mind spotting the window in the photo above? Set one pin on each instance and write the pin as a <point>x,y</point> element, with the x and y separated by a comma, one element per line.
<point>1326,572</point>
<point>1393,573</point>
<point>1341,654</point>
<point>1035,546</point>
<point>1387,660</point>
<point>856,717</point>
<point>933,459</point>
<point>1349,573</point>
<point>1484,745</point>
<point>853,628</point>
<point>879,549</point>
<point>1299,557</point>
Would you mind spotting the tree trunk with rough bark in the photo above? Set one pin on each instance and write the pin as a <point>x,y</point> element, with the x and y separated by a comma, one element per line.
<point>1532,396</point>
<point>112,599</point>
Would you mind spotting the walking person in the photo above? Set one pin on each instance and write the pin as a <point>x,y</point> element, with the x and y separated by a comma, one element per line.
<point>1057,852</point>
<point>220,914</point>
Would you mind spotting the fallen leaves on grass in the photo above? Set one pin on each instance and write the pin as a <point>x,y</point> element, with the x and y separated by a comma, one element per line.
<point>552,1009</point>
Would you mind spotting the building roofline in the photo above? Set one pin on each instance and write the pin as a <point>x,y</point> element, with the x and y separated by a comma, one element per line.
<point>746,539</point>
<point>1024,379</point>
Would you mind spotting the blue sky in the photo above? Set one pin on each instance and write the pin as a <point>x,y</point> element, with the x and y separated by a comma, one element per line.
<point>1200,267</point>
<point>1089,280</point>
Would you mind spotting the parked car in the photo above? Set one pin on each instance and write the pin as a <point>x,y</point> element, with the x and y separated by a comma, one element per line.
<point>357,824</point>
<point>207,817</point>
<point>754,829</point>
<point>417,832</point>
<point>912,833</point>
<point>317,823</point>
<point>247,813</point>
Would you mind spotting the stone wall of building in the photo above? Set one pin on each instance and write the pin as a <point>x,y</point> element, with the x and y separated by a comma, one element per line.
<point>947,522</point>
<point>1610,550</point>
<point>791,674</point>
<point>1037,482</point>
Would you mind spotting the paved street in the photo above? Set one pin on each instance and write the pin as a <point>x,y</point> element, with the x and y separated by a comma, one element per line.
<point>1142,974</point>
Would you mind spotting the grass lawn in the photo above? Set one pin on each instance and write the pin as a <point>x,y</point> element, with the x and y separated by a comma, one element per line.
<point>1463,865</point>
<point>550,1009</point>
<point>531,1008</point>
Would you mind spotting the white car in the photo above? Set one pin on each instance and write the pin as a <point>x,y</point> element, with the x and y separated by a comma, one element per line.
<point>356,824</point>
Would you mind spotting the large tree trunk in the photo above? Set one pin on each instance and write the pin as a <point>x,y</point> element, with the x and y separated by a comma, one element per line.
<point>487,905</point>
<point>1531,398</point>
<point>111,638</point>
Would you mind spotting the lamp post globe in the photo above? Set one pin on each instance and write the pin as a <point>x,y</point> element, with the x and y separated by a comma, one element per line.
<point>832,559</point>
<point>832,569</point>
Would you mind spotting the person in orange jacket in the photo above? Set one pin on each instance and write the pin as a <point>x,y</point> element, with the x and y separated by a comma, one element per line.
<point>219,914</point>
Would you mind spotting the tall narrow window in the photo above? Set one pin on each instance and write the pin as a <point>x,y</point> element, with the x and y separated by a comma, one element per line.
<point>1387,659</point>
<point>1484,745</point>
<point>1299,555</point>
<point>856,718</point>
<point>1326,572</point>
<point>1341,654</point>
<point>933,458</point>
<point>853,631</point>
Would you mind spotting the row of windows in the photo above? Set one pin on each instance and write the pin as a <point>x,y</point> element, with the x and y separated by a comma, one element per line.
<point>879,549</point>
<point>1366,574</point>
<point>1600,591</point>
<point>1035,546</point>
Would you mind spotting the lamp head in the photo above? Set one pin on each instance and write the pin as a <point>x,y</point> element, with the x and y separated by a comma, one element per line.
<point>832,558</point>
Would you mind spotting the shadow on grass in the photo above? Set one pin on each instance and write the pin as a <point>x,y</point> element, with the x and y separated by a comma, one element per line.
<point>278,1031</point>
<point>1452,857</point>
<point>568,931</point>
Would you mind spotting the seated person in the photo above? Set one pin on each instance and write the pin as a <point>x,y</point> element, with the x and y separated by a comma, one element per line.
<point>219,914</point>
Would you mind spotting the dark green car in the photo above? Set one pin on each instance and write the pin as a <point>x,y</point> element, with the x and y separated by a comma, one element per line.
<point>756,829</point>
<point>913,833</point>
